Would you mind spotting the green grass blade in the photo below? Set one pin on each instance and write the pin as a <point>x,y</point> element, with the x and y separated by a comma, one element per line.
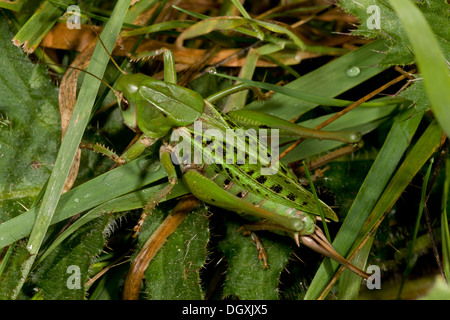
<point>245,14</point>
<point>350,283</point>
<point>13,5</point>
<point>131,201</point>
<point>73,136</point>
<point>294,44</point>
<point>362,120</point>
<point>209,25</point>
<point>444,222</point>
<point>387,160</point>
<point>292,93</point>
<point>138,8</point>
<point>430,60</point>
<point>35,29</point>
<point>90,194</point>
<point>329,80</point>
<point>414,161</point>
<point>278,29</point>
<point>158,27</point>
<point>416,158</point>
<point>416,229</point>
<point>238,100</point>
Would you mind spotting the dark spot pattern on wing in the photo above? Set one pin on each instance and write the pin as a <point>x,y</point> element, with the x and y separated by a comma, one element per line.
<point>277,188</point>
<point>261,179</point>
<point>292,196</point>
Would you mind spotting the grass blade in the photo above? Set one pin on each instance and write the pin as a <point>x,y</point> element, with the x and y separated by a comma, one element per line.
<point>387,160</point>
<point>430,60</point>
<point>329,80</point>
<point>91,194</point>
<point>416,158</point>
<point>350,283</point>
<point>131,201</point>
<point>72,139</point>
<point>416,229</point>
<point>293,93</point>
<point>35,29</point>
<point>444,222</point>
<point>237,101</point>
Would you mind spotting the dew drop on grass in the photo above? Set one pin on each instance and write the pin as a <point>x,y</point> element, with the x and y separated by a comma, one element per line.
<point>353,71</point>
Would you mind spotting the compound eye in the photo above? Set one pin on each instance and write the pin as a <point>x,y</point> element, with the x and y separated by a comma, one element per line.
<point>124,104</point>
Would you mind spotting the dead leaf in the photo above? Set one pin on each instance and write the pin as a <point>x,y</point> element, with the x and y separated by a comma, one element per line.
<point>67,100</point>
<point>153,244</point>
<point>78,39</point>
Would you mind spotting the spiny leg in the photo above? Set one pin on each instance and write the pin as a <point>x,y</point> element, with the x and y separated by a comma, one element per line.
<point>258,226</point>
<point>169,168</point>
<point>132,153</point>
<point>170,74</point>
<point>148,208</point>
<point>103,150</point>
<point>316,241</point>
<point>262,255</point>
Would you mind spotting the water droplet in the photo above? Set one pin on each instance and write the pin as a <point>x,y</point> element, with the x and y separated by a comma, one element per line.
<point>212,71</point>
<point>76,200</point>
<point>353,71</point>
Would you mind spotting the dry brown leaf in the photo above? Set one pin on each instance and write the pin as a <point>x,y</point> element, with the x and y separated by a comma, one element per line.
<point>61,37</point>
<point>154,244</point>
<point>78,39</point>
<point>67,100</point>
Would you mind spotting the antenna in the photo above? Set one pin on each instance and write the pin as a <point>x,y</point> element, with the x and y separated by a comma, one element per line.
<point>80,69</point>
<point>98,36</point>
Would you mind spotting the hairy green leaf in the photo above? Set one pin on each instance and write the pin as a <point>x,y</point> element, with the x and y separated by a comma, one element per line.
<point>390,28</point>
<point>10,267</point>
<point>246,277</point>
<point>174,272</point>
<point>62,275</point>
<point>30,131</point>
